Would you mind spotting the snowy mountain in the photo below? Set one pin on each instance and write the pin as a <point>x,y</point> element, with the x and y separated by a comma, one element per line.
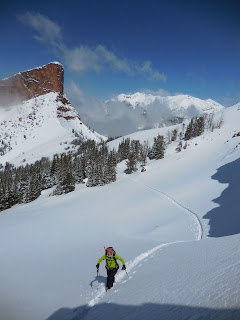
<point>40,127</point>
<point>128,113</point>
<point>176,225</point>
<point>179,103</point>
<point>43,122</point>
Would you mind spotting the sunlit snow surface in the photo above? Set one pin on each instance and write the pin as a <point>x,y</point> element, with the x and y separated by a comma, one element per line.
<point>154,220</point>
<point>36,128</point>
<point>178,102</point>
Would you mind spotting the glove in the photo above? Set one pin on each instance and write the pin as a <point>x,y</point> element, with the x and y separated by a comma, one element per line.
<point>97,266</point>
<point>123,267</point>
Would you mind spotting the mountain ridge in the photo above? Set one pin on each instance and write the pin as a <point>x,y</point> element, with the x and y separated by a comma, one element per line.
<point>36,118</point>
<point>149,212</point>
<point>176,103</point>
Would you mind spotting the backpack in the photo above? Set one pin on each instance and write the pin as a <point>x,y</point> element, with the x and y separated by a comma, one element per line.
<point>106,255</point>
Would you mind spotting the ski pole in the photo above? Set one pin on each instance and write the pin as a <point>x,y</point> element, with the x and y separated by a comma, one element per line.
<point>127,273</point>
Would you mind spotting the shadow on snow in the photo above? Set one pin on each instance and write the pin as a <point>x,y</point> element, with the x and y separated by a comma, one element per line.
<point>148,311</point>
<point>98,279</point>
<point>225,219</point>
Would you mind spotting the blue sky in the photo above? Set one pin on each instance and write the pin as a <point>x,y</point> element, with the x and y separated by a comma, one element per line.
<point>112,47</point>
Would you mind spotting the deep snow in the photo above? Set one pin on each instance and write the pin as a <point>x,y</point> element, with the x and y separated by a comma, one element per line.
<point>158,221</point>
<point>38,128</point>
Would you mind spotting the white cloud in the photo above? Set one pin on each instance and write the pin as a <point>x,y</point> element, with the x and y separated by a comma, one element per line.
<point>158,92</point>
<point>47,30</point>
<point>83,58</point>
<point>100,58</point>
<point>116,63</point>
<point>115,118</point>
<point>153,74</point>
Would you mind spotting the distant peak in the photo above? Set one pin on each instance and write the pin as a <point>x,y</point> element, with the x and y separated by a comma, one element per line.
<point>175,102</point>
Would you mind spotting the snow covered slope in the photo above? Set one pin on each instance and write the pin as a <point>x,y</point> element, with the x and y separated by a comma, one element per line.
<point>176,225</point>
<point>178,103</point>
<point>40,127</point>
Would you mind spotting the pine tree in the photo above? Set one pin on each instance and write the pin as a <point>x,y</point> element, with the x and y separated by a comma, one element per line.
<point>78,168</point>
<point>174,134</point>
<point>34,189</point>
<point>143,154</point>
<point>124,149</point>
<point>131,163</point>
<point>68,184</point>
<point>158,148</point>
<point>189,130</point>
<point>110,168</point>
<point>55,168</point>
<point>135,148</point>
<point>200,125</point>
<point>195,128</point>
<point>91,177</point>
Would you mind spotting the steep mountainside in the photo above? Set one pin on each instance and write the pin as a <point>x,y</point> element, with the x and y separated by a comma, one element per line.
<point>176,225</point>
<point>43,122</point>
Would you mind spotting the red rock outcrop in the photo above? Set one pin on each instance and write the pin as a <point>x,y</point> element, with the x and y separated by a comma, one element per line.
<point>65,110</point>
<point>32,83</point>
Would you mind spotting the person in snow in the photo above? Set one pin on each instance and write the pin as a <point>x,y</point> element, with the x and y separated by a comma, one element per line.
<point>111,265</point>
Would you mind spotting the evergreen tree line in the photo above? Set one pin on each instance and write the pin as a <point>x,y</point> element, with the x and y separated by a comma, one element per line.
<point>195,128</point>
<point>92,160</point>
<point>197,125</point>
<point>136,153</point>
<point>24,184</point>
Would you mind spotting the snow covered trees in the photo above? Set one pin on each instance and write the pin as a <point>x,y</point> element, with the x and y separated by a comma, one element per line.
<point>195,127</point>
<point>25,183</point>
<point>131,163</point>
<point>134,152</point>
<point>63,174</point>
<point>92,161</point>
<point>123,149</point>
<point>101,166</point>
<point>158,148</point>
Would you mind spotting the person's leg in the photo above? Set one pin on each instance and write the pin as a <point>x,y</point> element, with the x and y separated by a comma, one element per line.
<point>110,278</point>
<point>115,271</point>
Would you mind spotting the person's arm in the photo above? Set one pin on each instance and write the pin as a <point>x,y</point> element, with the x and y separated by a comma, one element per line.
<point>101,259</point>
<point>120,258</point>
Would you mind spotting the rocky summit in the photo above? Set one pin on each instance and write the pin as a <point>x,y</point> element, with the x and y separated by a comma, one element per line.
<point>32,83</point>
<point>36,118</point>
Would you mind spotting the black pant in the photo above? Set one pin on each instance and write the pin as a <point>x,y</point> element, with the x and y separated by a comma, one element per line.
<point>110,277</point>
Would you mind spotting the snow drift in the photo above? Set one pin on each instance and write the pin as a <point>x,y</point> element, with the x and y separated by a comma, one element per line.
<point>159,221</point>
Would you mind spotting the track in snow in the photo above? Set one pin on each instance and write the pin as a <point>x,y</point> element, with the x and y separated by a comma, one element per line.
<point>178,204</point>
<point>132,264</point>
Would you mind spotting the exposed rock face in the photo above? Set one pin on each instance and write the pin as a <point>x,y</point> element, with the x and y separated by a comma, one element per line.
<point>65,110</point>
<point>32,83</point>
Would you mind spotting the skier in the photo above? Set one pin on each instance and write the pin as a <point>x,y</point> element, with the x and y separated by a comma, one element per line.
<point>111,265</point>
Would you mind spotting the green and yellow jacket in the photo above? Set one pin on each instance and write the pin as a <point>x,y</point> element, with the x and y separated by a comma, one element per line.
<point>111,262</point>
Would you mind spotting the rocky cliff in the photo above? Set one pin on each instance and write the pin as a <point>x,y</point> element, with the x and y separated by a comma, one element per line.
<point>32,83</point>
